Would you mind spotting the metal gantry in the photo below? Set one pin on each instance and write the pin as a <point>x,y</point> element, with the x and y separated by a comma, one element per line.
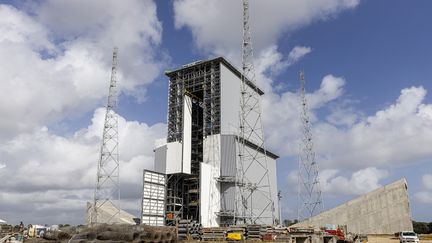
<point>251,130</point>
<point>309,191</point>
<point>107,191</point>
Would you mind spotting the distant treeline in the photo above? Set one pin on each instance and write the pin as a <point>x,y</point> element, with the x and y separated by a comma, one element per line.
<point>419,227</point>
<point>422,227</point>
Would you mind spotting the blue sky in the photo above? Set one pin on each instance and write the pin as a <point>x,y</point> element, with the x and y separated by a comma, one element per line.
<point>367,68</point>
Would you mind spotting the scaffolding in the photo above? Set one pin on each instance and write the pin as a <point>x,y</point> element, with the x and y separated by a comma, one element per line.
<point>200,82</point>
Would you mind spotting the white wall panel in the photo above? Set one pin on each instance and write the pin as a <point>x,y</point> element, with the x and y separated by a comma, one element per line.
<point>187,134</point>
<point>153,198</point>
<point>230,101</point>
<point>209,186</point>
<point>168,158</point>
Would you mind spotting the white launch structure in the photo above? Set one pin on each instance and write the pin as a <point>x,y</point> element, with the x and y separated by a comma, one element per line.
<point>217,168</point>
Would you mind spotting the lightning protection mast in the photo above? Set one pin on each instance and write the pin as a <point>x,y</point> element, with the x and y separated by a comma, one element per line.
<point>107,191</point>
<point>309,198</point>
<point>252,182</point>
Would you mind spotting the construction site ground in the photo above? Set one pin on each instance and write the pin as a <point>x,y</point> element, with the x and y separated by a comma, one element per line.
<point>371,239</point>
<point>393,239</point>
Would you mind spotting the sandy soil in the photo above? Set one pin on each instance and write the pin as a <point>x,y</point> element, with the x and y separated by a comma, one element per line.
<point>392,239</point>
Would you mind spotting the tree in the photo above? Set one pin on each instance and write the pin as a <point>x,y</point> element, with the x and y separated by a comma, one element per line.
<point>288,222</point>
<point>421,227</point>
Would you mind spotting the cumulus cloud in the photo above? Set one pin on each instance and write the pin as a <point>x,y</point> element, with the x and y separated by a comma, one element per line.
<point>360,182</point>
<point>282,113</point>
<point>364,141</point>
<point>424,197</point>
<point>298,52</point>
<point>217,25</point>
<point>57,174</point>
<point>427,181</point>
<point>335,182</point>
<point>64,49</point>
<point>270,63</point>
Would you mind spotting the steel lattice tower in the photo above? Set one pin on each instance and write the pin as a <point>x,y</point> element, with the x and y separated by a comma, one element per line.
<point>251,129</point>
<point>107,191</point>
<point>309,190</point>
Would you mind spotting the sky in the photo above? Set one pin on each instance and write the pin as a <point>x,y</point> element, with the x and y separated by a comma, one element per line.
<point>368,81</point>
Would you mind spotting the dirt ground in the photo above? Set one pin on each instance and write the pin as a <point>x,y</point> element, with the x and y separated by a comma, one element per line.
<point>392,239</point>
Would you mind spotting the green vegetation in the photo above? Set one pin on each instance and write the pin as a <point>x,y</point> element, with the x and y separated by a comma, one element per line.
<point>422,227</point>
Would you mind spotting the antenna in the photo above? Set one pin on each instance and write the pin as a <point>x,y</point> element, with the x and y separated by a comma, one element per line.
<point>251,131</point>
<point>107,191</point>
<point>309,191</point>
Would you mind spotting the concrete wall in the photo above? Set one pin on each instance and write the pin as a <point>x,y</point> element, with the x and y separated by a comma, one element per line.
<point>109,214</point>
<point>385,210</point>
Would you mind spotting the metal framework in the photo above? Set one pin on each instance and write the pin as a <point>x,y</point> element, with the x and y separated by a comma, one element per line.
<point>251,129</point>
<point>309,198</point>
<point>153,199</point>
<point>201,82</point>
<point>107,191</point>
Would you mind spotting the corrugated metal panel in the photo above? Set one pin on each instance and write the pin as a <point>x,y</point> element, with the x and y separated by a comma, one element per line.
<point>227,197</point>
<point>228,155</point>
<point>153,198</point>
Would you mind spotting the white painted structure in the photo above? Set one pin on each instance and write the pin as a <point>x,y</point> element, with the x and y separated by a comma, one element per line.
<point>109,213</point>
<point>153,199</point>
<point>219,146</point>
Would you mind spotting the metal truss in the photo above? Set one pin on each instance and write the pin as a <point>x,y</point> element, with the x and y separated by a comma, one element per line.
<point>107,191</point>
<point>251,129</point>
<point>309,192</point>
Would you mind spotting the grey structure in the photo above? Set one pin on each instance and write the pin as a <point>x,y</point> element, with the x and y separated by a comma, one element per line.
<point>385,210</point>
<point>200,156</point>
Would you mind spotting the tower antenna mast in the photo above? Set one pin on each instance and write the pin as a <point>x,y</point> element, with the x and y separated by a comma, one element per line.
<point>251,158</point>
<point>309,191</point>
<point>107,191</point>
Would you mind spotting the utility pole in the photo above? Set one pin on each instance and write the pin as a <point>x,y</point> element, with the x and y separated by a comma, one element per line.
<point>279,195</point>
<point>107,191</point>
<point>251,131</point>
<point>309,198</point>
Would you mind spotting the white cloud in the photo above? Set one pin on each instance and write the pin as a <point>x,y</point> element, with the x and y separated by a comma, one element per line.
<point>270,63</point>
<point>64,48</point>
<point>424,197</point>
<point>360,182</point>
<point>282,113</point>
<point>334,182</point>
<point>217,25</point>
<point>297,53</point>
<point>57,172</point>
<point>427,181</point>
<point>364,141</point>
